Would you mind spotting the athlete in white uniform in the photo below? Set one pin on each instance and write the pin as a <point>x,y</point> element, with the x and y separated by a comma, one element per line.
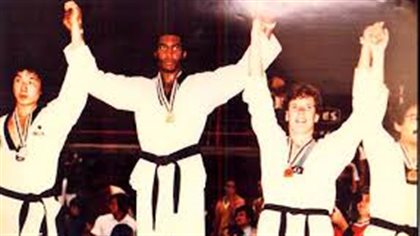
<point>392,164</point>
<point>170,114</point>
<point>31,138</point>
<point>298,172</point>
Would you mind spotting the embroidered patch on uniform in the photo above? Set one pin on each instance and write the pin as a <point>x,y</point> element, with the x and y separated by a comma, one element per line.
<point>38,131</point>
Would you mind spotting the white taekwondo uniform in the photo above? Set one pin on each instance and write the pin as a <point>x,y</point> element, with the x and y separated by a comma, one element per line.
<point>37,172</point>
<point>392,198</point>
<point>196,97</point>
<point>314,188</point>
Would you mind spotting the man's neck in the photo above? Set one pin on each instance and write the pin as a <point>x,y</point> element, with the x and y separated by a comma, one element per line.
<point>168,80</point>
<point>24,110</point>
<point>119,216</point>
<point>299,140</point>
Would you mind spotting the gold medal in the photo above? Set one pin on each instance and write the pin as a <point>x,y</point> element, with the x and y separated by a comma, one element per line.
<point>170,118</point>
<point>288,172</point>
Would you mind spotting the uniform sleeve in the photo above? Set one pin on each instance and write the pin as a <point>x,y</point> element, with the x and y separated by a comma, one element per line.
<point>120,92</point>
<point>272,140</point>
<point>62,113</point>
<point>96,229</point>
<point>226,82</point>
<point>369,97</point>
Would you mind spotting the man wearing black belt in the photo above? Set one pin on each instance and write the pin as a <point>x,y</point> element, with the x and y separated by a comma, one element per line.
<point>298,173</point>
<point>392,163</point>
<point>170,111</point>
<point>32,137</point>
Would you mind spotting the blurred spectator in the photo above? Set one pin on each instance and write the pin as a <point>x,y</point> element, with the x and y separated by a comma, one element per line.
<point>258,203</point>
<point>118,206</point>
<point>225,208</point>
<point>75,223</point>
<point>340,225</point>
<point>362,215</point>
<point>122,230</point>
<point>277,86</point>
<point>244,222</point>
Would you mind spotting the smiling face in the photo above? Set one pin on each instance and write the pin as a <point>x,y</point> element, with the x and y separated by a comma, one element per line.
<point>169,53</point>
<point>301,115</point>
<point>26,88</point>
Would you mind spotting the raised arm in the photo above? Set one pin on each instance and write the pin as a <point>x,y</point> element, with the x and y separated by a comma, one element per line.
<point>369,101</point>
<point>119,91</point>
<point>271,138</point>
<point>226,82</point>
<point>375,136</point>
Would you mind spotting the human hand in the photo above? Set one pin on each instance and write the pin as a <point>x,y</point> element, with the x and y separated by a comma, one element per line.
<point>72,19</point>
<point>375,37</point>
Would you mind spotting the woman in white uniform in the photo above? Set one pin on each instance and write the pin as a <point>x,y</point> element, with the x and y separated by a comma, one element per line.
<point>31,138</point>
<point>298,173</point>
<point>170,113</point>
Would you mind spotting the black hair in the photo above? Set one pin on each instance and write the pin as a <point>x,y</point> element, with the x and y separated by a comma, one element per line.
<point>122,201</point>
<point>248,210</point>
<point>122,230</point>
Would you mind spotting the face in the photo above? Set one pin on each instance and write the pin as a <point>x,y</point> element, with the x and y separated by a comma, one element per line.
<point>113,206</point>
<point>26,88</point>
<point>230,188</point>
<point>301,115</point>
<point>408,128</point>
<point>74,211</point>
<point>241,219</point>
<point>169,53</point>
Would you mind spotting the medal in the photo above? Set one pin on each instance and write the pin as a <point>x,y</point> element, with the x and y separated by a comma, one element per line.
<point>170,118</point>
<point>168,104</point>
<point>288,172</point>
<point>411,176</point>
<point>21,153</point>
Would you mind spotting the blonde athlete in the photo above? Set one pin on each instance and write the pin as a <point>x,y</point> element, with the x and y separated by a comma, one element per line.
<point>299,172</point>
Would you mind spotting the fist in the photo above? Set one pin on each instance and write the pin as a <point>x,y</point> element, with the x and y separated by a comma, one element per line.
<point>72,16</point>
<point>375,36</point>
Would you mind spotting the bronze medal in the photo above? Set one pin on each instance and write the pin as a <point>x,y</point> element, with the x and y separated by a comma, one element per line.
<point>288,172</point>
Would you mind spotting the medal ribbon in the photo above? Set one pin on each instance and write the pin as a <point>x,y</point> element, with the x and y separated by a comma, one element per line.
<point>22,132</point>
<point>161,94</point>
<point>409,163</point>
<point>295,159</point>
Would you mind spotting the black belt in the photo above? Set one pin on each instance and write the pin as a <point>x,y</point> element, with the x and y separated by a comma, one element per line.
<point>27,198</point>
<point>412,231</point>
<point>172,158</point>
<point>294,211</point>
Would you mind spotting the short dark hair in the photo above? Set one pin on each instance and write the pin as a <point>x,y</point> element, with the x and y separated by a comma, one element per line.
<point>302,91</point>
<point>30,70</point>
<point>122,201</point>
<point>248,211</point>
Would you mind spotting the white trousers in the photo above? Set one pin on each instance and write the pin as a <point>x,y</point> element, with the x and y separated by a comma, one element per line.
<point>269,224</point>
<point>9,216</point>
